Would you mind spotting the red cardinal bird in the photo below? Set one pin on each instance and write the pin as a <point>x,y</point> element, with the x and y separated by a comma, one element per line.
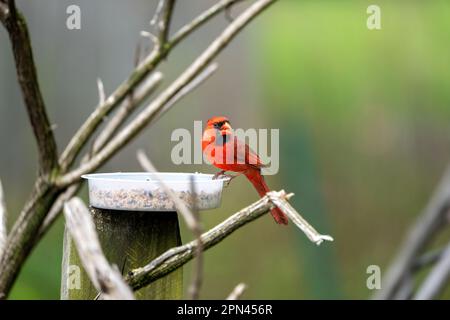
<point>226,152</point>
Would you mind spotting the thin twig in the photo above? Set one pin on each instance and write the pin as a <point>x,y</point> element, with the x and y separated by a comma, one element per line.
<point>56,209</point>
<point>191,217</point>
<point>237,292</point>
<point>298,220</point>
<point>3,217</point>
<point>95,119</point>
<point>181,207</point>
<point>101,91</point>
<point>22,237</point>
<point>437,280</point>
<point>197,273</point>
<point>162,19</point>
<point>406,289</point>
<point>158,13</point>
<point>146,116</point>
<point>176,257</point>
<point>144,91</point>
<point>427,259</point>
<point>108,133</point>
<point>202,77</point>
<point>153,39</point>
<point>204,17</point>
<point>105,278</point>
<point>147,66</point>
<point>124,111</point>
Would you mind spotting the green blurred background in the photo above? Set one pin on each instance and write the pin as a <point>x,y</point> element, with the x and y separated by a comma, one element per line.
<point>363,118</point>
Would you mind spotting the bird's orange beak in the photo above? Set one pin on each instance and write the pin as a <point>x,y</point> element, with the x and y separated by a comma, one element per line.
<point>226,129</point>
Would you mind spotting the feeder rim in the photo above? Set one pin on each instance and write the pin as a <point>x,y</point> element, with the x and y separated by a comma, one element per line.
<point>106,176</point>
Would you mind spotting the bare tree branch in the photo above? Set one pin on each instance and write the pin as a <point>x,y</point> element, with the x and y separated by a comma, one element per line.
<point>432,219</point>
<point>437,280</point>
<point>101,92</point>
<point>127,107</point>
<point>427,259</point>
<point>3,217</point>
<point>27,76</point>
<point>142,93</point>
<point>202,77</point>
<point>197,272</point>
<point>56,209</point>
<point>105,278</point>
<point>237,292</point>
<point>177,257</point>
<point>21,238</point>
<point>129,132</point>
<point>132,128</point>
<point>28,227</point>
<point>162,19</point>
<point>181,207</point>
<point>201,19</point>
<point>279,201</point>
<point>145,67</point>
<point>95,119</point>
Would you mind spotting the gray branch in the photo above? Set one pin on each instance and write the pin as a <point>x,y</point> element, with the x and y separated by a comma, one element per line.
<point>197,270</point>
<point>204,17</point>
<point>147,115</point>
<point>438,278</point>
<point>49,190</point>
<point>147,66</point>
<point>162,19</point>
<point>190,217</point>
<point>278,200</point>
<point>427,259</point>
<point>124,111</point>
<point>177,257</point>
<point>56,209</point>
<point>429,222</point>
<point>138,96</point>
<point>105,278</point>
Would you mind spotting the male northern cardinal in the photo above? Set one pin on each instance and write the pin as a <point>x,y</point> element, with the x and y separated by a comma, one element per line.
<point>226,152</point>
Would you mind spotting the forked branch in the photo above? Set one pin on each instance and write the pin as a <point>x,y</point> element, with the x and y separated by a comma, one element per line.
<point>147,66</point>
<point>177,257</point>
<point>59,178</point>
<point>146,116</point>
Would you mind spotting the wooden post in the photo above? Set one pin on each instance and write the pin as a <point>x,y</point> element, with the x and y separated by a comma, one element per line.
<point>129,239</point>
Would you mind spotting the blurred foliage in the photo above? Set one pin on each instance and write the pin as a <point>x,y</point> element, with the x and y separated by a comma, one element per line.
<point>364,125</point>
<point>374,106</point>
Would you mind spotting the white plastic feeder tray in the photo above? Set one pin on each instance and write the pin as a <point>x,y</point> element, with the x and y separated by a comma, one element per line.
<point>143,191</point>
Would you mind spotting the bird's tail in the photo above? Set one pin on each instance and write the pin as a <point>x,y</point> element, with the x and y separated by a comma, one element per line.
<point>260,185</point>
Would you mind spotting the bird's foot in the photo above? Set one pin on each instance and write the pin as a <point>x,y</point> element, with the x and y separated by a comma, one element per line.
<point>223,175</point>
<point>217,175</point>
<point>230,177</point>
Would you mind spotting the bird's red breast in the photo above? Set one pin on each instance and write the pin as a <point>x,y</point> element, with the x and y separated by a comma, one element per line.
<point>226,152</point>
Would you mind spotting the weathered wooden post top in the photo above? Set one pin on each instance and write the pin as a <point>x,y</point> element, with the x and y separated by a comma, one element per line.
<point>136,221</point>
